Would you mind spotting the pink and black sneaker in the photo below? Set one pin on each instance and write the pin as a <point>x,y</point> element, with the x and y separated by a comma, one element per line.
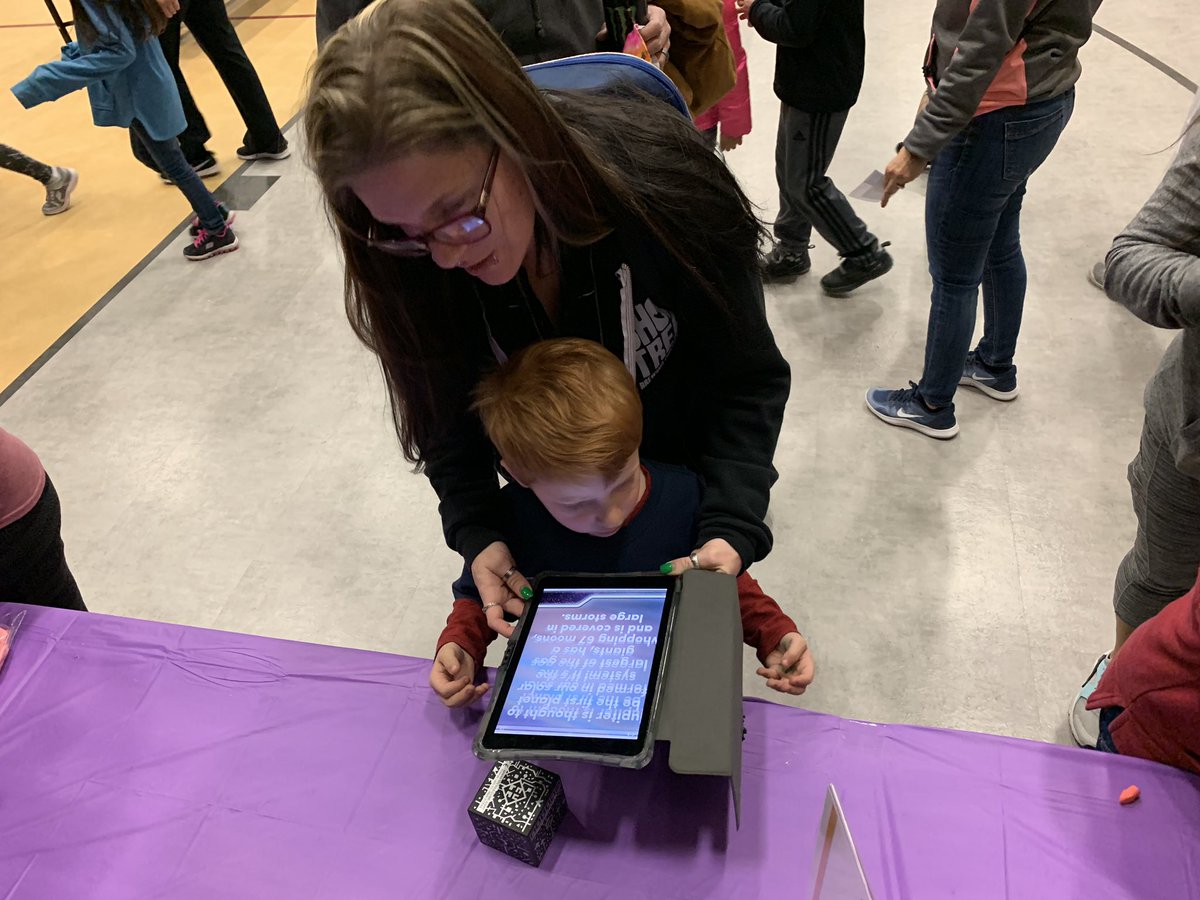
<point>211,243</point>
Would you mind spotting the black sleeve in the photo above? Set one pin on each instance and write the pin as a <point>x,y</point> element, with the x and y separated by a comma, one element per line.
<point>459,460</point>
<point>789,23</point>
<point>744,381</point>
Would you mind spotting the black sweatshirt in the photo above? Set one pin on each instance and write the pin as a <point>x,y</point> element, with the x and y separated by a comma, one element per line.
<point>713,383</point>
<point>822,51</point>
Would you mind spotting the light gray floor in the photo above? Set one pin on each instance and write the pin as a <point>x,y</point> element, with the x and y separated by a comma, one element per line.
<point>223,453</point>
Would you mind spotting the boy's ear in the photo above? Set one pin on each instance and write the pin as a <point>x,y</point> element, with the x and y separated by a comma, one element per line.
<point>515,476</point>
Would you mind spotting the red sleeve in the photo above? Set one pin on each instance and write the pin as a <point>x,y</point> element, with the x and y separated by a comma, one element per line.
<point>763,623</point>
<point>467,626</point>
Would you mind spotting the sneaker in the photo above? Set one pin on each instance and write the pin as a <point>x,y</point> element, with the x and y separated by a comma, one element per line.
<point>1096,274</point>
<point>58,191</point>
<point>1084,722</point>
<point>906,409</point>
<point>855,271</point>
<point>226,213</point>
<point>280,151</point>
<point>785,265</point>
<point>208,244</point>
<point>205,168</point>
<point>998,387</point>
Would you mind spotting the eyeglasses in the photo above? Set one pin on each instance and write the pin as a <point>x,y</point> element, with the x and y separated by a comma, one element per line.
<point>461,230</point>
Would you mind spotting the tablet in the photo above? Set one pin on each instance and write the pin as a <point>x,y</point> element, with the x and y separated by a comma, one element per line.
<point>582,676</point>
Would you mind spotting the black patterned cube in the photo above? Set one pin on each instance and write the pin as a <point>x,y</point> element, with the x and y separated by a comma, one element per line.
<point>518,810</point>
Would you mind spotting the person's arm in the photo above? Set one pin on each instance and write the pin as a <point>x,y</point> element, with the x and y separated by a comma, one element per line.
<point>992,30</point>
<point>1148,270</point>
<point>788,23</point>
<point>744,381</point>
<point>764,624</point>
<point>467,626</point>
<point>460,463</point>
<point>113,51</point>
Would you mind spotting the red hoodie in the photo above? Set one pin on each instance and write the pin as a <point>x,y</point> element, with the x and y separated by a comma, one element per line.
<point>1156,677</point>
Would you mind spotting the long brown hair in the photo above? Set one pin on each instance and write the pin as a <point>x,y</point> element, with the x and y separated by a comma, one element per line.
<point>143,18</point>
<point>411,75</point>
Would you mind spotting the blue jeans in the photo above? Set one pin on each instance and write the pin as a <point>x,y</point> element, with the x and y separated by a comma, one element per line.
<point>1104,742</point>
<point>171,162</point>
<point>973,235</point>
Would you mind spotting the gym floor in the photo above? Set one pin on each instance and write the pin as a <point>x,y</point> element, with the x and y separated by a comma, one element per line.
<point>224,457</point>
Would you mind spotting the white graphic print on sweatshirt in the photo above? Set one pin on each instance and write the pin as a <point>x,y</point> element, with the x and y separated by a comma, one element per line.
<point>649,332</point>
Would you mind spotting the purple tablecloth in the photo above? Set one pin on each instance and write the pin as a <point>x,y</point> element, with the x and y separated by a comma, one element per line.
<point>142,760</point>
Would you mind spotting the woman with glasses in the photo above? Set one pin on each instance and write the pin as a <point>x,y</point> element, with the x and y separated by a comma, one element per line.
<point>477,216</point>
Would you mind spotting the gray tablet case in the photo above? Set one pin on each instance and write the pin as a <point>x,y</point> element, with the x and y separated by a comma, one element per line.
<point>699,704</point>
<point>700,712</point>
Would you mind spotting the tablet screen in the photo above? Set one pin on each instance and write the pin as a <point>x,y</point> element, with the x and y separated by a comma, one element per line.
<point>586,667</point>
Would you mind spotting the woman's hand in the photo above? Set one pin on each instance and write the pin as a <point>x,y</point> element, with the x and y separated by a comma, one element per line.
<point>168,7</point>
<point>453,676</point>
<point>743,9</point>
<point>903,168</point>
<point>716,556</point>
<point>501,587</point>
<point>657,34</point>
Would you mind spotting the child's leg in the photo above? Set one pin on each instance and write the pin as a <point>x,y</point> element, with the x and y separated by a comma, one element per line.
<point>16,161</point>
<point>812,199</point>
<point>172,163</point>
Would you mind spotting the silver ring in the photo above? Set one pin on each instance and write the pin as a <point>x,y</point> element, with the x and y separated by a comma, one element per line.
<point>488,606</point>
<point>509,574</point>
<point>695,558</point>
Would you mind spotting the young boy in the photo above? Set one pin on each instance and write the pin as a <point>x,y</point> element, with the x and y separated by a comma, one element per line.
<point>818,73</point>
<point>566,418</point>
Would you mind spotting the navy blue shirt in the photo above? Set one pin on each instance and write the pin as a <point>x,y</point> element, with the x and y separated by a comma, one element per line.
<point>663,530</point>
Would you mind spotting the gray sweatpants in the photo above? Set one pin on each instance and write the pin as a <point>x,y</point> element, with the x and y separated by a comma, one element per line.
<point>1162,565</point>
<point>808,199</point>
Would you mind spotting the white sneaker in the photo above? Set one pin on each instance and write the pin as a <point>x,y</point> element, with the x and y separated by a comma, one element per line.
<point>58,191</point>
<point>1084,722</point>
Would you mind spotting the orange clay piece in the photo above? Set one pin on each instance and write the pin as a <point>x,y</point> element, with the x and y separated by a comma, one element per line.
<point>1130,795</point>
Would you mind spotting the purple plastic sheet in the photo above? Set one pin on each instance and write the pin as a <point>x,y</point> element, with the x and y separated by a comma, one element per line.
<point>139,759</point>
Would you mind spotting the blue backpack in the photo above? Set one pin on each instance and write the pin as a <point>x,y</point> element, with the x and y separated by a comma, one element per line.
<point>600,71</point>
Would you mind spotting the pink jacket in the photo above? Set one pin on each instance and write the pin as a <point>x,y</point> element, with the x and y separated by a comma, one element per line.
<point>733,110</point>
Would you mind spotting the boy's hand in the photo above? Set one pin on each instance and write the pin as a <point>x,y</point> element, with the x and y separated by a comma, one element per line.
<point>790,666</point>
<point>501,587</point>
<point>716,556</point>
<point>453,675</point>
<point>743,9</point>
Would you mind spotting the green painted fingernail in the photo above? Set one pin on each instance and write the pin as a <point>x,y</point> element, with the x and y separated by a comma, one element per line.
<point>667,568</point>
<point>527,593</point>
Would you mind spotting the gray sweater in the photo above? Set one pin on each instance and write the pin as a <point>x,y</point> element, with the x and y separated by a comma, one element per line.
<point>999,53</point>
<point>1153,269</point>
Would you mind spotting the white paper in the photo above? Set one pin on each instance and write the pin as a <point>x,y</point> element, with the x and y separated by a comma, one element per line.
<point>871,188</point>
<point>837,869</point>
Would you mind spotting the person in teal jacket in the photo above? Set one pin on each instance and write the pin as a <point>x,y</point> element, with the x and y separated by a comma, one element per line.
<point>129,85</point>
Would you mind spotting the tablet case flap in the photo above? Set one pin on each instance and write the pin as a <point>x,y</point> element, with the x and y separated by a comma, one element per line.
<point>701,709</point>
